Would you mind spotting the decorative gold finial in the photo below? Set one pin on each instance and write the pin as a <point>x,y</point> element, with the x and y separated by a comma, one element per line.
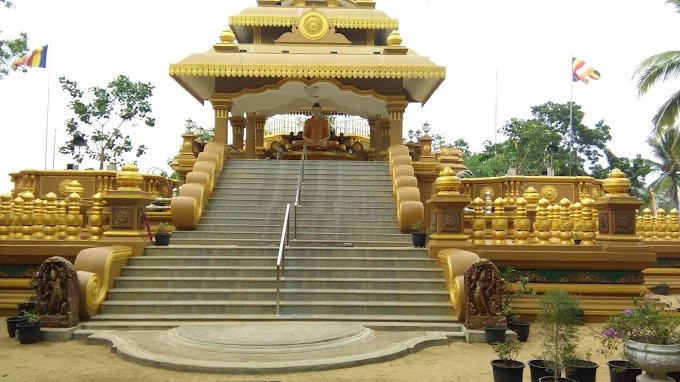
<point>129,178</point>
<point>448,182</point>
<point>616,183</point>
<point>499,222</point>
<point>531,195</point>
<point>394,39</point>
<point>74,186</point>
<point>227,36</point>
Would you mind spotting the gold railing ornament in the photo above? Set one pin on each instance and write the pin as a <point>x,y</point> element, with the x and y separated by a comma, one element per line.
<point>447,183</point>
<point>38,208</point>
<point>616,184</point>
<point>61,219</point>
<point>27,216</point>
<point>129,178</point>
<point>588,224</point>
<point>522,223</point>
<point>674,226</point>
<point>653,225</point>
<point>575,210</point>
<point>647,225</point>
<point>50,220</point>
<point>531,196</point>
<point>566,224</point>
<point>661,225</point>
<point>555,224</point>
<point>74,221</point>
<point>478,223</point>
<point>5,216</point>
<point>18,211</point>
<point>499,224</point>
<point>96,230</point>
<point>543,223</point>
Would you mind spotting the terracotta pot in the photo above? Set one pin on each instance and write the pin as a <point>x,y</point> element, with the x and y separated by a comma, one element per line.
<point>655,360</point>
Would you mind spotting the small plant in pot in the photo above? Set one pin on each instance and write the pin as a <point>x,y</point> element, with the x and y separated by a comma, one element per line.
<point>419,234</point>
<point>29,330</point>
<point>162,236</point>
<point>510,276</point>
<point>558,324</point>
<point>581,369</point>
<point>12,324</point>
<point>507,368</point>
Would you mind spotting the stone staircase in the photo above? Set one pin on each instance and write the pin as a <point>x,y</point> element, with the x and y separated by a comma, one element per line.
<point>349,262</point>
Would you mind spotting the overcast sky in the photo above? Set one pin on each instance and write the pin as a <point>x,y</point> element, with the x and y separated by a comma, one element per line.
<point>530,42</point>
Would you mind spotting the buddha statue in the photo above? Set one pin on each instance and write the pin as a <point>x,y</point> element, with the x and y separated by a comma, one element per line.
<point>316,133</point>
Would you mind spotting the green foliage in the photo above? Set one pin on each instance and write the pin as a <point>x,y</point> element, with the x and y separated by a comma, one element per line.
<point>509,276</point>
<point>11,48</point>
<point>30,316</point>
<point>666,152</point>
<point>636,170</point>
<point>507,351</point>
<point>418,227</point>
<point>163,227</point>
<point>121,101</point>
<point>558,319</point>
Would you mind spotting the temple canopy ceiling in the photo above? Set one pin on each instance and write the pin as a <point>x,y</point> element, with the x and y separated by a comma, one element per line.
<point>274,53</point>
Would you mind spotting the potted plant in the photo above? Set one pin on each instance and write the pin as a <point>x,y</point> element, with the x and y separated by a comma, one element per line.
<point>558,324</point>
<point>29,330</point>
<point>509,276</point>
<point>507,368</point>
<point>28,305</point>
<point>162,235</point>
<point>418,234</point>
<point>650,338</point>
<point>12,324</point>
<point>494,334</point>
<point>581,369</point>
<point>663,288</point>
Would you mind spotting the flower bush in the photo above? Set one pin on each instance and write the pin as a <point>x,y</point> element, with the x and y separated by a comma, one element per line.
<point>646,322</point>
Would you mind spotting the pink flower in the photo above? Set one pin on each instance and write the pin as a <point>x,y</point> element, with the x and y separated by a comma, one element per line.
<point>627,312</point>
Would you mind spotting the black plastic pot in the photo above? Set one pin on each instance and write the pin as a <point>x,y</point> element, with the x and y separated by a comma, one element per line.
<point>521,328</point>
<point>12,325</point>
<point>577,241</point>
<point>29,333</point>
<point>552,379</point>
<point>26,307</point>
<point>622,371</point>
<point>663,290</point>
<point>419,239</point>
<point>162,239</point>
<point>582,371</point>
<point>675,375</point>
<point>539,369</point>
<point>507,371</point>
<point>494,334</point>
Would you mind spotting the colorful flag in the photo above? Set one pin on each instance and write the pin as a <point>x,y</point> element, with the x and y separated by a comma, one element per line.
<point>36,58</point>
<point>581,72</point>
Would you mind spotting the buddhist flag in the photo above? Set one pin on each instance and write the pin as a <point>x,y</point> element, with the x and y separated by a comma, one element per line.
<point>37,58</point>
<point>582,72</point>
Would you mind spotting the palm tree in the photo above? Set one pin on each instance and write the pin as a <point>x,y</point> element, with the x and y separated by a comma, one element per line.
<point>666,150</point>
<point>659,68</point>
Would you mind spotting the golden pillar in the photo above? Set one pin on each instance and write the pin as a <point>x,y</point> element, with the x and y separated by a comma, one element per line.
<point>478,223</point>
<point>522,224</point>
<point>375,136</point>
<point>18,211</point>
<point>74,221</point>
<point>27,216</point>
<point>543,224</point>
<point>260,122</point>
<point>238,126</point>
<point>566,224</point>
<point>616,212</point>
<point>674,225</point>
<point>50,218</point>
<point>395,110</point>
<point>499,224</point>
<point>38,208</point>
<point>222,107</point>
<point>5,216</point>
<point>188,154</point>
<point>647,227</point>
<point>450,224</point>
<point>250,135</point>
<point>96,217</point>
<point>588,225</point>
<point>61,219</point>
<point>127,204</point>
<point>384,127</point>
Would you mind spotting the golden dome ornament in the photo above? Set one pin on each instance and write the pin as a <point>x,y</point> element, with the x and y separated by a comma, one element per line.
<point>394,39</point>
<point>447,182</point>
<point>616,184</point>
<point>227,36</point>
<point>129,178</point>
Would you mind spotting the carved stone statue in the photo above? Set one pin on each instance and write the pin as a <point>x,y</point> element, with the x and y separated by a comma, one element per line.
<point>316,133</point>
<point>57,293</point>
<point>483,295</point>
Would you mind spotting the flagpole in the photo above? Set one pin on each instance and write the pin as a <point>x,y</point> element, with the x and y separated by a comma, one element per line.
<point>495,118</point>
<point>571,110</point>
<point>47,112</point>
<point>54,147</point>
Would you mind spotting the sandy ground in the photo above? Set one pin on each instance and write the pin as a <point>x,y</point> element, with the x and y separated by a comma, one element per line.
<point>76,361</point>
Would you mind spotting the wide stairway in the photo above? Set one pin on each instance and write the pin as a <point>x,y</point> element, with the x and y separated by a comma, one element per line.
<point>349,261</point>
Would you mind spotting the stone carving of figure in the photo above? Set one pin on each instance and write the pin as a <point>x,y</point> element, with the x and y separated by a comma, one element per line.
<point>483,295</point>
<point>57,293</point>
<point>316,133</point>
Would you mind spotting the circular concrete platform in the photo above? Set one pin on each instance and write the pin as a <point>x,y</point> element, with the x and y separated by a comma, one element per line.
<point>265,347</point>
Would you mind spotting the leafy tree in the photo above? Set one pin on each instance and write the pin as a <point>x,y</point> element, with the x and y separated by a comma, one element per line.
<point>666,151</point>
<point>100,115</point>
<point>636,170</point>
<point>11,48</point>
<point>659,68</point>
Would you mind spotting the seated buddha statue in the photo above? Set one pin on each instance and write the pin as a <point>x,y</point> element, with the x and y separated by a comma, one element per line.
<point>316,133</point>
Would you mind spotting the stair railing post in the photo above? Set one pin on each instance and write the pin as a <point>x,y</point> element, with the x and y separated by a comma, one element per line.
<point>278,289</point>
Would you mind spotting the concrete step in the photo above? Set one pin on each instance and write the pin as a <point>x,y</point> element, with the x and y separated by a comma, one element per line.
<point>301,235</point>
<point>366,308</point>
<point>337,183</point>
<point>205,294</point>
<point>431,284</point>
<point>274,226</point>
<point>292,242</point>
<point>229,212</point>
<point>291,271</point>
<point>291,261</point>
<point>165,324</point>
<point>330,221</point>
<point>273,196</point>
<point>313,252</point>
<point>306,203</point>
<point>317,189</point>
<point>416,318</point>
<point>188,307</point>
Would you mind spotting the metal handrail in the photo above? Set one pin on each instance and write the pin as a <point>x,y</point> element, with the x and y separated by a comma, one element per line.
<point>281,259</point>
<point>298,193</point>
